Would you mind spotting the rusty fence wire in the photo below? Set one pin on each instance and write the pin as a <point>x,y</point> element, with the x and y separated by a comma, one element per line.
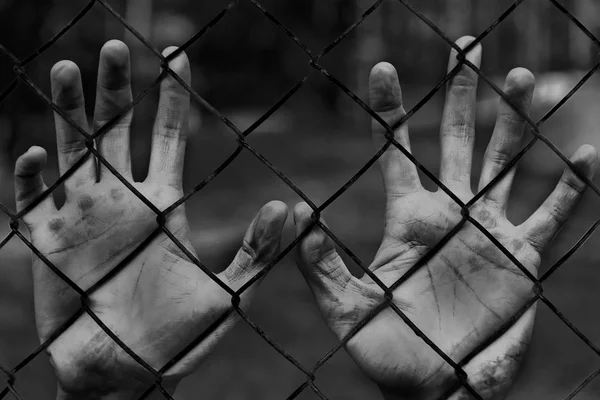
<point>314,60</point>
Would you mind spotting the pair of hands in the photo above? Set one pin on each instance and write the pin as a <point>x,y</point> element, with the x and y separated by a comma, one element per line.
<point>161,301</point>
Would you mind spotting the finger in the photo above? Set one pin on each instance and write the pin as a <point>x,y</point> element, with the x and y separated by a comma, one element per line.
<point>319,262</point>
<point>508,132</point>
<point>113,96</point>
<point>399,173</point>
<point>458,120</point>
<point>261,243</point>
<point>171,125</point>
<point>547,220</point>
<point>67,93</point>
<point>29,185</point>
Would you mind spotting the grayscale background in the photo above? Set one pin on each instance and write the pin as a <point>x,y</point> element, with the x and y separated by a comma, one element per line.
<point>319,139</point>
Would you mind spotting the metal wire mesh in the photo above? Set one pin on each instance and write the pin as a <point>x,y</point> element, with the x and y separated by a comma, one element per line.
<point>243,146</point>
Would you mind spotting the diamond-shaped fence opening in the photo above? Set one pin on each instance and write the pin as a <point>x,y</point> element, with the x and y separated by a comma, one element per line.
<point>314,59</point>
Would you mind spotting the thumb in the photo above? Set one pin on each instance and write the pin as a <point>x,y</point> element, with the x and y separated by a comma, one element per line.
<point>29,185</point>
<point>318,260</point>
<point>261,244</point>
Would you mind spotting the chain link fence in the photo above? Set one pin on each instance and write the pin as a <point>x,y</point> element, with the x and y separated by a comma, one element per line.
<point>314,59</point>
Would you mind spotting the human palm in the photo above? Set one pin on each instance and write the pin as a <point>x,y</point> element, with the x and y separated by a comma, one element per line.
<point>468,289</point>
<point>459,298</point>
<point>160,301</point>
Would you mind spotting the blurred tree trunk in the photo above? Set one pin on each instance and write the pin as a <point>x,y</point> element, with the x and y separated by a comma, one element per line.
<point>139,14</point>
<point>325,13</point>
<point>112,26</point>
<point>458,18</point>
<point>329,19</point>
<point>369,48</point>
<point>484,14</point>
<point>580,47</point>
<point>7,143</point>
<point>533,38</point>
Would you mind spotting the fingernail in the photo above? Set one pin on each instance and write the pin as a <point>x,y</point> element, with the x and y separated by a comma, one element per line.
<point>263,238</point>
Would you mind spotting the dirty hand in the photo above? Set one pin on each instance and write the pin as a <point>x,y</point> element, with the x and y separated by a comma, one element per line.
<point>160,301</point>
<point>469,289</point>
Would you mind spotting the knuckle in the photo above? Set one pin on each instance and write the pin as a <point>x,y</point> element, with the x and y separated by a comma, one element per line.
<point>248,250</point>
<point>574,183</point>
<point>463,82</point>
<point>459,129</point>
<point>72,146</point>
<point>499,155</point>
<point>113,104</point>
<point>170,132</point>
<point>391,111</point>
<point>558,211</point>
<point>512,118</point>
<point>121,127</point>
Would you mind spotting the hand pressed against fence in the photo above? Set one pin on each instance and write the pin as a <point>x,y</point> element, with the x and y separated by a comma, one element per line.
<point>160,302</point>
<point>469,289</point>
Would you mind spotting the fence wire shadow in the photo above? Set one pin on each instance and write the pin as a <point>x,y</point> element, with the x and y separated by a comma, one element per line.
<point>313,60</point>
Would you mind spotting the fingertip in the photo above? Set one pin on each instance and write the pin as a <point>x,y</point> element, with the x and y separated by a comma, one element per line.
<point>464,41</point>
<point>520,81</point>
<point>265,235</point>
<point>303,218</point>
<point>316,243</point>
<point>474,54</point>
<point>115,53</point>
<point>180,64</point>
<point>587,151</point>
<point>272,217</point>
<point>586,157</point>
<point>38,154</point>
<point>170,50</point>
<point>65,78</point>
<point>114,70</point>
<point>277,210</point>
<point>65,72</point>
<point>384,88</point>
<point>31,162</point>
<point>302,215</point>
<point>29,185</point>
<point>383,69</point>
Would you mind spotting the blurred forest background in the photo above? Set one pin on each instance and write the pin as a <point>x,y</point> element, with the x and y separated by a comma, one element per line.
<point>320,139</point>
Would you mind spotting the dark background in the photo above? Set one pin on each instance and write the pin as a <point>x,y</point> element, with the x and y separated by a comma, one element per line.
<point>319,139</point>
